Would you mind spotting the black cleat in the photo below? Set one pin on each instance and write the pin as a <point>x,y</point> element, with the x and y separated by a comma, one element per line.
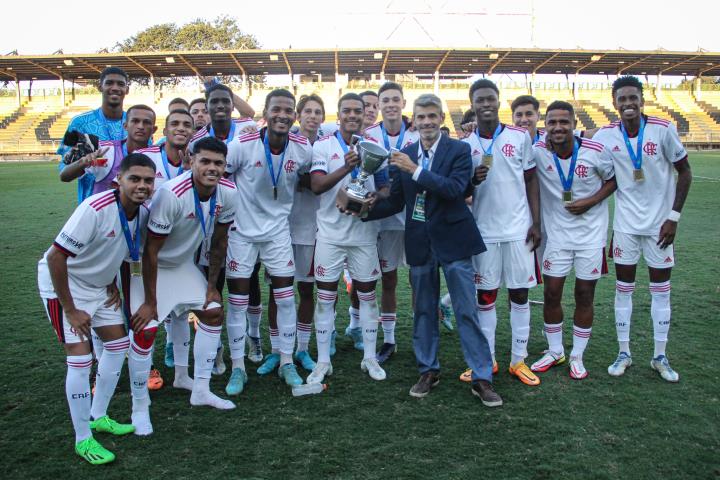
<point>386,351</point>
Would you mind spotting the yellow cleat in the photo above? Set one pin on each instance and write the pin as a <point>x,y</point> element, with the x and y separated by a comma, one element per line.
<point>523,372</point>
<point>155,381</point>
<point>466,376</point>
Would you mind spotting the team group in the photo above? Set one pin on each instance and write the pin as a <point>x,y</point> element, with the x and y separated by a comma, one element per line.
<point>161,229</point>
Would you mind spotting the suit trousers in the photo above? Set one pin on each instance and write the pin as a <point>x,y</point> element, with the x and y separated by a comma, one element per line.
<point>459,277</point>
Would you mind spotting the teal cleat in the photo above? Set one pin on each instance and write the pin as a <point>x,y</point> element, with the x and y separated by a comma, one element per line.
<point>446,315</point>
<point>237,382</point>
<point>169,355</point>
<point>356,335</point>
<point>289,373</point>
<point>304,359</point>
<point>270,364</point>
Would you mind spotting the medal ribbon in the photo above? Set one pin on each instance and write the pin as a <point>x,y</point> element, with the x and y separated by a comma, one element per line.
<point>230,136</point>
<point>199,212</point>
<point>166,164</point>
<point>345,149</point>
<point>133,241</point>
<point>567,182</point>
<point>268,160</point>
<point>635,156</point>
<point>386,139</point>
<point>492,142</point>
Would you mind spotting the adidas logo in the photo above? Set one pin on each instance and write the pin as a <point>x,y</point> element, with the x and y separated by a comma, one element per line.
<point>549,168</point>
<point>531,279</point>
<point>112,234</point>
<point>158,175</point>
<point>290,263</point>
<point>595,271</point>
<point>335,157</point>
<point>191,215</point>
<point>258,164</point>
<point>374,272</point>
<point>668,260</point>
<point>616,148</point>
<point>476,152</point>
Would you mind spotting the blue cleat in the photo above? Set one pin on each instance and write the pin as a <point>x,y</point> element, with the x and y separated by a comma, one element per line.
<point>332,343</point>
<point>356,335</point>
<point>169,355</point>
<point>304,359</point>
<point>270,364</point>
<point>237,382</point>
<point>446,315</point>
<point>289,373</point>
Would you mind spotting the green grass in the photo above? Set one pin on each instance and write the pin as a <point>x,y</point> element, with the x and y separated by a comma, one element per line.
<point>634,427</point>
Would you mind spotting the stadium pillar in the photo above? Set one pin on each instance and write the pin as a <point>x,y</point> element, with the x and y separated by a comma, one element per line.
<point>62,90</point>
<point>575,87</point>
<point>532,84</point>
<point>698,90</point>
<point>152,87</point>
<point>658,87</point>
<point>18,94</point>
<point>436,83</point>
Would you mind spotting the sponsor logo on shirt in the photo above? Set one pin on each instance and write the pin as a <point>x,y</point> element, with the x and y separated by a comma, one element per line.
<point>191,215</point>
<point>218,209</point>
<point>258,164</point>
<point>616,148</point>
<point>159,226</point>
<point>549,168</point>
<point>70,240</point>
<point>478,279</point>
<point>476,152</point>
<point>508,150</point>
<point>159,175</point>
<point>650,148</point>
<point>111,234</point>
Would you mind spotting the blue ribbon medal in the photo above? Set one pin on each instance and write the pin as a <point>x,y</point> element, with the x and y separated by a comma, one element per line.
<point>386,139</point>
<point>567,181</point>
<point>199,212</point>
<point>133,241</point>
<point>268,159</point>
<point>166,164</point>
<point>487,158</point>
<point>635,155</point>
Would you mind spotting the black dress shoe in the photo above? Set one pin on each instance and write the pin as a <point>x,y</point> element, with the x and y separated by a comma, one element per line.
<point>386,351</point>
<point>487,394</point>
<point>427,381</point>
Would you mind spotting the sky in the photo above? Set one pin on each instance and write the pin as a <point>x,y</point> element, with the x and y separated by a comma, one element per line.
<point>608,24</point>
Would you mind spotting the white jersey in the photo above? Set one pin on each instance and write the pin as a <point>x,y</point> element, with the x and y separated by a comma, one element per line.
<point>303,216</point>
<point>173,215</point>
<point>642,207</point>
<point>94,241</point>
<point>236,131</point>
<point>335,227</point>
<point>566,231</point>
<point>259,216</point>
<point>500,204</point>
<point>374,134</point>
<point>164,169</point>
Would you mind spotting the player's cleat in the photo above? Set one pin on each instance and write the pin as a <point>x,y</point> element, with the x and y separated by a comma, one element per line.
<point>547,361</point>
<point>142,424</point>
<point>94,453</point>
<point>524,374</point>
<point>356,335</point>
<point>208,399</point>
<point>219,365</point>
<point>577,369</point>
<point>446,315</point>
<point>108,425</point>
<point>155,380</point>
<point>621,363</point>
<point>289,373</point>
<point>661,365</point>
<point>254,344</point>
<point>305,360</point>
<point>271,363</point>
<point>466,376</point>
<point>319,373</point>
<point>386,351</point>
<point>333,335</point>
<point>237,382</point>
<point>373,368</point>
<point>169,355</point>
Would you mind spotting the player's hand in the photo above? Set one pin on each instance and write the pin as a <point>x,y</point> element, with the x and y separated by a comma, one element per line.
<point>667,234</point>
<point>90,158</point>
<point>533,235</point>
<point>480,175</point>
<point>212,295</point>
<point>352,160</point>
<point>113,299</point>
<point>371,199</point>
<point>580,206</point>
<point>80,321</point>
<point>185,159</point>
<point>403,162</point>
<point>469,127</point>
<point>249,129</point>
<point>143,316</point>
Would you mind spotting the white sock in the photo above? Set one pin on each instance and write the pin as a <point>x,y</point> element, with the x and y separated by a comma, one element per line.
<point>445,300</point>
<point>180,332</point>
<point>488,323</point>
<point>623,313</point>
<point>581,337</point>
<point>286,321</point>
<point>369,322</point>
<point>204,351</point>
<point>554,334</point>
<point>139,364</point>
<point>354,317</point>
<point>324,322</point>
<point>520,326</point>
<point>304,330</point>
<point>236,328</point>
<point>77,391</point>
<point>97,345</point>
<point>388,326</point>
<point>274,340</point>
<point>660,313</point>
<point>108,373</point>
<point>254,315</point>
<point>168,328</point>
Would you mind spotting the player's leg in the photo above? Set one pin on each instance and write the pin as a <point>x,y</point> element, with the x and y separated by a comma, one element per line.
<point>271,361</point>
<point>254,316</point>
<point>625,250</point>
<point>354,329</point>
<point>181,350</point>
<point>304,325</point>
<point>488,270</point>
<point>391,252</point>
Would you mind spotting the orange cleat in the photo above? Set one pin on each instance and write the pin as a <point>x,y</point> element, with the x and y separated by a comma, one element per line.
<point>466,376</point>
<point>155,381</point>
<point>523,372</point>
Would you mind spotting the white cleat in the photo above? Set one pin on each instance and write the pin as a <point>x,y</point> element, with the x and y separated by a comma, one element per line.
<point>373,368</point>
<point>207,398</point>
<point>621,363</point>
<point>661,365</point>
<point>577,369</point>
<point>321,370</point>
<point>254,345</point>
<point>184,382</point>
<point>219,365</point>
<point>142,424</point>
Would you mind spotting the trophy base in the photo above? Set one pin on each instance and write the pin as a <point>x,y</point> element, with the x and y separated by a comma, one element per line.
<point>351,203</point>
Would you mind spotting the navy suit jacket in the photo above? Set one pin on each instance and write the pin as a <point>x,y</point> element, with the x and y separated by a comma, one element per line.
<point>449,231</point>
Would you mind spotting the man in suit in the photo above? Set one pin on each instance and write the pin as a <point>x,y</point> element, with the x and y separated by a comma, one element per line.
<point>432,178</point>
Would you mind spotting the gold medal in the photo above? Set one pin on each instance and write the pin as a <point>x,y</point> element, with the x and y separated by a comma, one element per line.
<point>487,160</point>
<point>638,175</point>
<point>567,196</point>
<point>136,268</point>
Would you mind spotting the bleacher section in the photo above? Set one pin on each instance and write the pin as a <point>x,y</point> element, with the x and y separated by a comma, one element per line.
<point>37,126</point>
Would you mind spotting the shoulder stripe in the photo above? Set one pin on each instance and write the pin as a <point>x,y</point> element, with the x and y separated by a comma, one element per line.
<point>513,127</point>
<point>325,137</point>
<point>110,194</point>
<point>201,133</point>
<point>180,191</point>
<point>298,139</point>
<point>227,183</point>
<point>248,137</point>
<point>658,119</point>
<point>593,147</point>
<point>152,149</point>
<point>181,185</point>
<point>106,201</point>
<point>587,141</point>
<point>540,144</point>
<point>243,120</point>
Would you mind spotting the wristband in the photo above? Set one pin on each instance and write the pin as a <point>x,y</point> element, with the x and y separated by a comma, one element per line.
<point>674,216</point>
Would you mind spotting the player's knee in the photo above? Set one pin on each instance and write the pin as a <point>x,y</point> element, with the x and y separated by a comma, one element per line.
<point>145,338</point>
<point>552,296</point>
<point>487,297</point>
<point>584,296</point>
<point>305,290</point>
<point>212,317</point>
<point>389,280</point>
<point>518,295</point>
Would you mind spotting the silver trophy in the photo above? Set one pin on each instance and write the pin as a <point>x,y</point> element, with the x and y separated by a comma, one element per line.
<point>354,197</point>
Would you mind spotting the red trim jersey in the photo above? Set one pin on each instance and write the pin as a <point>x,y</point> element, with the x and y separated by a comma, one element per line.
<point>94,242</point>
<point>642,207</point>
<point>173,215</point>
<point>237,131</point>
<point>259,216</point>
<point>155,154</point>
<point>564,230</point>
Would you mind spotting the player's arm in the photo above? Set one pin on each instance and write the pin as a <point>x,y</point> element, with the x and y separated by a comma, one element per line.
<point>582,205</point>
<point>532,191</point>
<point>77,169</point>
<point>78,319</point>
<point>682,188</point>
<point>218,253</point>
<point>321,181</point>
<point>243,108</point>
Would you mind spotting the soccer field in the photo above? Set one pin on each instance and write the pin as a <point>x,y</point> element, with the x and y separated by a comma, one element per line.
<point>634,427</point>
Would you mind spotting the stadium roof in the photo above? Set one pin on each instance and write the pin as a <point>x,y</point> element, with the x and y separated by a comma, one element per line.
<point>359,62</point>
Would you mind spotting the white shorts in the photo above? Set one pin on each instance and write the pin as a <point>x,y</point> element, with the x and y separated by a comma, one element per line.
<point>391,249</point>
<point>88,300</point>
<point>179,289</point>
<point>362,262</point>
<point>276,255</point>
<point>625,249</point>
<point>506,263</point>
<point>589,264</point>
<point>304,263</point>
